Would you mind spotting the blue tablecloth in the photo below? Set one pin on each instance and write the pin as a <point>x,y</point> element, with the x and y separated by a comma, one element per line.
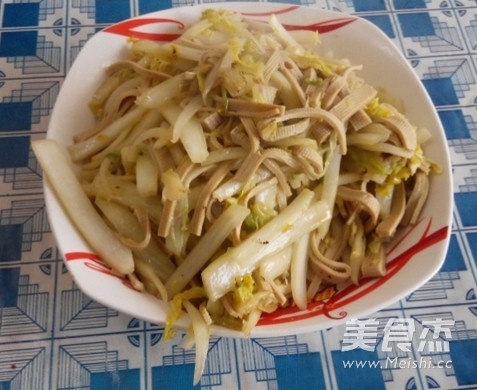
<point>54,337</point>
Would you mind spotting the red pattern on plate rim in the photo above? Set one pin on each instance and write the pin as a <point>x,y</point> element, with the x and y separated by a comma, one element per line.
<point>95,263</point>
<point>131,28</point>
<point>326,302</point>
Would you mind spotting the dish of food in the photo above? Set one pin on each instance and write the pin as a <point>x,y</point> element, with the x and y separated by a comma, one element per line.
<point>259,167</point>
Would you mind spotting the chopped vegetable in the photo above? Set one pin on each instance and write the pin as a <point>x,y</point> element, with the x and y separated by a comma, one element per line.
<point>79,208</point>
<point>299,218</point>
<point>201,337</point>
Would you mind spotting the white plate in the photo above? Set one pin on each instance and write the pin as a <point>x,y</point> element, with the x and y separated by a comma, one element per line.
<point>414,257</point>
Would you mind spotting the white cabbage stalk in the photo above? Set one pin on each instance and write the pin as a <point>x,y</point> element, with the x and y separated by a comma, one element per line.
<point>363,138</point>
<point>298,218</point>
<point>196,29</point>
<point>224,154</point>
<point>209,243</point>
<point>389,149</point>
<point>126,193</point>
<point>151,133</point>
<point>160,93</point>
<point>252,320</point>
<point>232,187</point>
<point>271,267</point>
<point>313,286</point>
<point>79,208</point>
<point>87,148</point>
<point>264,93</point>
<point>201,337</point>
<point>227,190</point>
<point>127,225</point>
<point>176,240</point>
<point>358,249</point>
<point>298,268</point>
<point>268,197</point>
<point>349,178</point>
<point>282,33</point>
<point>423,135</point>
<point>174,188</point>
<point>149,273</point>
<point>192,137</point>
<point>187,53</point>
<point>185,116</point>
<point>285,90</point>
<point>330,187</point>
<point>385,201</point>
<point>150,120</point>
<point>141,46</point>
<point>146,176</point>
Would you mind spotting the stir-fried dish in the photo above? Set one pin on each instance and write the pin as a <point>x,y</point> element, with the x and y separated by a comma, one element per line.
<point>242,172</point>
